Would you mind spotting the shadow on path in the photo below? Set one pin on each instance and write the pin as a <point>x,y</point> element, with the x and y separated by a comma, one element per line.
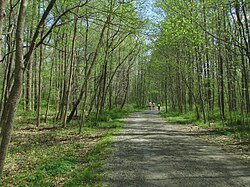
<point>150,152</point>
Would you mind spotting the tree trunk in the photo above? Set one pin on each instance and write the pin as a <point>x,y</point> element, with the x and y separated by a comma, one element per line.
<point>63,83</point>
<point>9,114</point>
<point>104,72</point>
<point>68,92</point>
<point>2,17</point>
<point>126,87</point>
<point>200,89</point>
<point>28,86</point>
<point>39,94</point>
<point>50,88</point>
<point>82,122</point>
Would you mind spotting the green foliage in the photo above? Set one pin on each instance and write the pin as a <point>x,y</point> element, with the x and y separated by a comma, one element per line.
<point>25,113</point>
<point>38,178</point>
<point>176,117</point>
<point>108,117</point>
<point>232,127</point>
<point>181,68</point>
<point>57,167</point>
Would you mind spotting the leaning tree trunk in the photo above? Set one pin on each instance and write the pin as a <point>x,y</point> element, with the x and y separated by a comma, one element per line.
<point>9,114</point>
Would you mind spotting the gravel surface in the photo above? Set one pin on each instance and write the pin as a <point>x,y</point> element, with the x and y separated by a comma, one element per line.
<point>151,152</point>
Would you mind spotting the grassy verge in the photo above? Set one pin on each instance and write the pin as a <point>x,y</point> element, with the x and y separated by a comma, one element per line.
<point>52,156</point>
<point>232,126</point>
<point>175,117</point>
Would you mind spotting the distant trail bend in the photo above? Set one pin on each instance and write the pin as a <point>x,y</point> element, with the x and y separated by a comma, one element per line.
<point>150,152</point>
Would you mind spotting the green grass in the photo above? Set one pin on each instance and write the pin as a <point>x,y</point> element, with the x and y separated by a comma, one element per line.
<point>52,156</point>
<point>108,117</point>
<point>234,127</point>
<point>91,173</point>
<point>175,117</point>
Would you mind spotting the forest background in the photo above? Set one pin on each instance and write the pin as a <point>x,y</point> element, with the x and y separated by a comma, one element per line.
<point>67,66</point>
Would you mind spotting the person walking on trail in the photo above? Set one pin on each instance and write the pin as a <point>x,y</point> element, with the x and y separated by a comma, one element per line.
<point>153,104</point>
<point>159,106</point>
<point>149,105</point>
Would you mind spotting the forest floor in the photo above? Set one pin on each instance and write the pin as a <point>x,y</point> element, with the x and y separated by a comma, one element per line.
<point>52,156</point>
<point>151,152</point>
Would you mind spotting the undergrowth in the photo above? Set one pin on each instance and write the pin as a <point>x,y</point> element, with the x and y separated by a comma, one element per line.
<point>53,156</point>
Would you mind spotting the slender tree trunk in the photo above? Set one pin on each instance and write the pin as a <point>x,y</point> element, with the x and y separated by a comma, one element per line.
<point>207,62</point>
<point>126,87</point>
<point>221,94</point>
<point>59,84</point>
<point>50,89</point>
<point>39,94</point>
<point>63,84</point>
<point>179,90</point>
<point>68,92</point>
<point>221,88</point>
<point>166,92</point>
<point>104,75</point>
<point>110,90</point>
<point>82,123</point>
<point>35,77</point>
<point>28,86</point>
<point>199,71</point>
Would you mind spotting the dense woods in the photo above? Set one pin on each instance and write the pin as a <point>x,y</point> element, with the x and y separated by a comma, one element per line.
<point>65,58</point>
<point>200,60</point>
<point>68,60</point>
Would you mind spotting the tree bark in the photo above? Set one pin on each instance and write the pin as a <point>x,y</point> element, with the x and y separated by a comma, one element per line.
<point>68,92</point>
<point>29,74</point>
<point>50,89</point>
<point>39,94</point>
<point>2,17</point>
<point>8,116</point>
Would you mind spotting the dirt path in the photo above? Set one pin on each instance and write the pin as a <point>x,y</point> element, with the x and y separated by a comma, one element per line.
<point>150,152</point>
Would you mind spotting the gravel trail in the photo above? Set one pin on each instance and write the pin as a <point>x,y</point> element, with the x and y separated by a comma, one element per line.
<point>151,152</point>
